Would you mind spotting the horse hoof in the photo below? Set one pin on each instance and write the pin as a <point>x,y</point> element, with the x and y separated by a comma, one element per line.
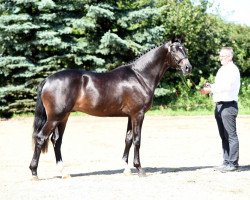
<point>142,174</point>
<point>127,173</point>
<point>66,176</point>
<point>34,178</point>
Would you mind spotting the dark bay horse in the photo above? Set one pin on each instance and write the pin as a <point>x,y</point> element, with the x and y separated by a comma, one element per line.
<point>124,91</point>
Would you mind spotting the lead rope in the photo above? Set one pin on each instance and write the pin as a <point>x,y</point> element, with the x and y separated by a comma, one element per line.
<point>184,80</point>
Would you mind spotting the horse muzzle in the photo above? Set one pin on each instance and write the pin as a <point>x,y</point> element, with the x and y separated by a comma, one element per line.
<point>186,67</point>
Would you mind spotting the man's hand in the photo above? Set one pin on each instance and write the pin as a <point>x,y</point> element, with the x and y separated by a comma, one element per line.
<point>205,90</point>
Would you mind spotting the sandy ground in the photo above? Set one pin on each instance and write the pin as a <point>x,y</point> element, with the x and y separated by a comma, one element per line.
<point>177,153</point>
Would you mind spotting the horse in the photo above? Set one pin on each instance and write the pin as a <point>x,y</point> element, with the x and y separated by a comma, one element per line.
<point>126,91</point>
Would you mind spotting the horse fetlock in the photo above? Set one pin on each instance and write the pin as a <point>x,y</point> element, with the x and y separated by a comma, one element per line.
<point>34,173</point>
<point>33,170</point>
<point>137,164</point>
<point>127,170</point>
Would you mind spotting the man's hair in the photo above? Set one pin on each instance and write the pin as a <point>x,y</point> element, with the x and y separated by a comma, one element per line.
<point>229,51</point>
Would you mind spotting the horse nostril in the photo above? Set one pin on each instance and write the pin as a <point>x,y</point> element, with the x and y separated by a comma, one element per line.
<point>188,68</point>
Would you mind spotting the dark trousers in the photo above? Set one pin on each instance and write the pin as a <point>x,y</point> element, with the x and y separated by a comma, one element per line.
<point>225,115</point>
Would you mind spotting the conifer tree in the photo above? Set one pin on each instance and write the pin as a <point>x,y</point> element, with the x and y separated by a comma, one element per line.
<point>39,37</point>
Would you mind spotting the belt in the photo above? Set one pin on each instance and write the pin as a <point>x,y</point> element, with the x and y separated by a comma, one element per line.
<point>224,102</point>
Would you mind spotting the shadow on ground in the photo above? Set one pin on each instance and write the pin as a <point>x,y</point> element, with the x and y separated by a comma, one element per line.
<point>150,170</point>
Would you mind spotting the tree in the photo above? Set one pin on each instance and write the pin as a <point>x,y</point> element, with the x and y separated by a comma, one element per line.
<point>204,34</point>
<point>239,38</point>
<point>40,37</point>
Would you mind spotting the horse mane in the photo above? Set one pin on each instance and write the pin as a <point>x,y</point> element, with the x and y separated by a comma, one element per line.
<point>142,54</point>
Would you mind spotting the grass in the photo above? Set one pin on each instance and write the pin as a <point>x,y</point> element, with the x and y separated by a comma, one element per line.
<point>158,111</point>
<point>170,112</point>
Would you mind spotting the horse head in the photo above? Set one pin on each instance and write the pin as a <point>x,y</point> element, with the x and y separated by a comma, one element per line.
<point>178,54</point>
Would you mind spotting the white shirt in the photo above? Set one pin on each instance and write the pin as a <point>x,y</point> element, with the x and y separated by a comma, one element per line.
<point>227,83</point>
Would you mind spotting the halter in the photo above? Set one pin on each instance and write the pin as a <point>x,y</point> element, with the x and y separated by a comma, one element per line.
<point>181,59</point>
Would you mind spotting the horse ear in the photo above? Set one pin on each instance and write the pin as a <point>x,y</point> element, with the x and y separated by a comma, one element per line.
<point>168,45</point>
<point>177,38</point>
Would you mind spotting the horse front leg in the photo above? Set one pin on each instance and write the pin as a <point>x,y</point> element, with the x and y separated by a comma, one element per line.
<point>128,143</point>
<point>136,129</point>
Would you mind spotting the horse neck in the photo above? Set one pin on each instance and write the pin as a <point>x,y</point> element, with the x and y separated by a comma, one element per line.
<point>152,66</point>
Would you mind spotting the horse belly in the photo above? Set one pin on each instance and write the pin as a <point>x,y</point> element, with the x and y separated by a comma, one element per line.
<point>101,112</point>
<point>99,106</point>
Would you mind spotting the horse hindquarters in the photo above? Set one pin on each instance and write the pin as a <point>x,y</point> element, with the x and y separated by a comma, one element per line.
<point>45,122</point>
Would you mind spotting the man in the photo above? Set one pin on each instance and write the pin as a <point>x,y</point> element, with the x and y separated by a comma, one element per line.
<point>225,92</point>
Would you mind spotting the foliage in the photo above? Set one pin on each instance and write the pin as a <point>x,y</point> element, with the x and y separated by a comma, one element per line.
<point>239,37</point>
<point>187,97</point>
<point>40,37</point>
<point>204,36</point>
<point>244,97</point>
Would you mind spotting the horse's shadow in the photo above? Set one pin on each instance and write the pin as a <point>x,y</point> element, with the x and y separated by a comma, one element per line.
<point>153,170</point>
<point>148,170</point>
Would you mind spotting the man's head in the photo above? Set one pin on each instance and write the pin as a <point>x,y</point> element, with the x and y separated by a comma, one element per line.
<point>226,55</point>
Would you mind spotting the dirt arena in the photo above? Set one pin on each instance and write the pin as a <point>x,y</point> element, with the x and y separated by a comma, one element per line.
<point>177,153</point>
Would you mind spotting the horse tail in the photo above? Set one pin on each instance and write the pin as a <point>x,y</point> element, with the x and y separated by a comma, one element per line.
<point>40,118</point>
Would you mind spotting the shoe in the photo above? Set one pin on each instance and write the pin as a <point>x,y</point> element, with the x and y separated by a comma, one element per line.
<point>229,168</point>
<point>220,167</point>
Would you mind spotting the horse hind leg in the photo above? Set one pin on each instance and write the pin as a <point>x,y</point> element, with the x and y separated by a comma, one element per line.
<point>56,139</point>
<point>41,144</point>
<point>34,161</point>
